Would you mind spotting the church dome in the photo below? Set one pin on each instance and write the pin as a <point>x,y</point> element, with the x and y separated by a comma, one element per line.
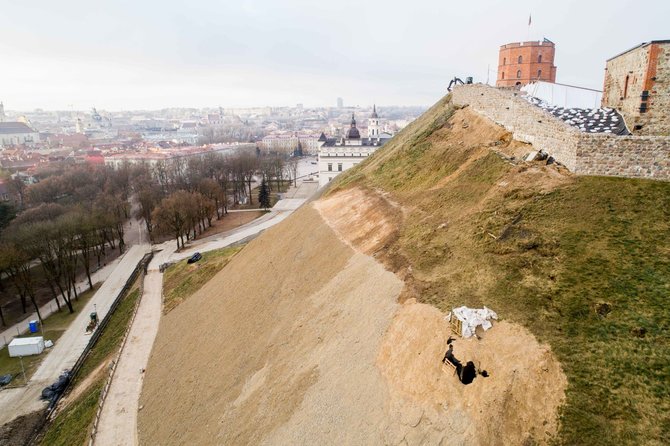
<point>353,133</point>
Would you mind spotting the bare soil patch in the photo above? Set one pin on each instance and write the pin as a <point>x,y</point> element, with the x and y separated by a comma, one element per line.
<point>516,404</point>
<point>21,430</point>
<point>230,221</point>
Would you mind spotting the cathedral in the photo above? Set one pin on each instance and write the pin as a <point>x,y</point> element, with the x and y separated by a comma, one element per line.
<point>339,154</point>
<point>353,136</point>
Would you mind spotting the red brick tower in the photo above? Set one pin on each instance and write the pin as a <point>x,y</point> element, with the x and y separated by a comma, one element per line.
<point>520,63</point>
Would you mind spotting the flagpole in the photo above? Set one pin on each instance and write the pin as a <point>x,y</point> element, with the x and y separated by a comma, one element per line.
<point>530,19</point>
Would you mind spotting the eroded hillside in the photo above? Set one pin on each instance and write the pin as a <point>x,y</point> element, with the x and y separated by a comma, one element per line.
<point>582,262</point>
<point>329,328</point>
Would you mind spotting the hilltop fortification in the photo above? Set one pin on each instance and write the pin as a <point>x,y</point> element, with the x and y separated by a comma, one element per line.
<point>582,153</point>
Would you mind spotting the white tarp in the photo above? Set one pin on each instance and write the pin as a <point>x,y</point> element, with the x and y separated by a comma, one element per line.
<point>566,96</point>
<point>471,318</point>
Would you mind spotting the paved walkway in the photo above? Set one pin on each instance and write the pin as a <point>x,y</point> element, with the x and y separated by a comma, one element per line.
<point>118,420</point>
<point>70,346</point>
<point>118,423</point>
<point>133,236</point>
<point>50,307</point>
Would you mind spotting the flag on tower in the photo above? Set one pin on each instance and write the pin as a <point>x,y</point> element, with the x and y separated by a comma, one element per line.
<point>529,19</point>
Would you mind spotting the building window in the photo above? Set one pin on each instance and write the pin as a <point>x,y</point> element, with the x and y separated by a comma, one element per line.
<point>539,73</point>
<point>503,75</point>
<point>539,58</point>
<point>504,61</point>
<point>339,167</point>
<point>520,59</point>
<point>625,87</point>
<point>518,74</point>
<point>330,167</point>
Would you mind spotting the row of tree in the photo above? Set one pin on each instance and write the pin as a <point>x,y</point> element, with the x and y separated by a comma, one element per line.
<point>181,197</point>
<point>70,219</point>
<point>65,224</point>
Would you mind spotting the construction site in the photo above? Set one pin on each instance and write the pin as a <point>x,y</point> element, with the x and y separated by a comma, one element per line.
<point>336,326</point>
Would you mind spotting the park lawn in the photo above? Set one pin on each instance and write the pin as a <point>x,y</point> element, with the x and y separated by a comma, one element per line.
<point>274,195</point>
<point>53,328</point>
<point>181,280</point>
<point>231,221</point>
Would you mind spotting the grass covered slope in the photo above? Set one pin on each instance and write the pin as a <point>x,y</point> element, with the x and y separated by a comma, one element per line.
<point>583,262</point>
<point>183,279</point>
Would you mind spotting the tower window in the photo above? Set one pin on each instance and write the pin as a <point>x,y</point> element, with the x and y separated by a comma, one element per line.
<point>539,58</point>
<point>539,73</point>
<point>518,74</point>
<point>504,61</point>
<point>503,75</point>
<point>520,59</point>
<point>625,88</point>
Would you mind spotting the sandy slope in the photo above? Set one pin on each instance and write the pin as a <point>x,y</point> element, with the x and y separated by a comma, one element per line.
<point>300,340</point>
<point>279,347</point>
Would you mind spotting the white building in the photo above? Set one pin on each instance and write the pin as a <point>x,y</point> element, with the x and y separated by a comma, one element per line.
<point>288,143</point>
<point>336,156</point>
<point>17,133</point>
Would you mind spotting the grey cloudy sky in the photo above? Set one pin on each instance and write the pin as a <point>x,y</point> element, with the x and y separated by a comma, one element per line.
<point>134,54</point>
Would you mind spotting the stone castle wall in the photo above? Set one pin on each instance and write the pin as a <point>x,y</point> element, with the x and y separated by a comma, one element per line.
<point>582,153</point>
<point>627,78</point>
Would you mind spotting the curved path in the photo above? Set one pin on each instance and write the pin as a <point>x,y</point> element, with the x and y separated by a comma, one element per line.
<point>118,419</point>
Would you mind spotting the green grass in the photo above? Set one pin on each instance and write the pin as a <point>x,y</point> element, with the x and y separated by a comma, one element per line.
<point>71,426</point>
<point>613,244</point>
<point>53,328</point>
<point>181,280</point>
<point>545,260</point>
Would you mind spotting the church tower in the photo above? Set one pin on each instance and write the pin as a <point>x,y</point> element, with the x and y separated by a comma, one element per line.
<point>373,124</point>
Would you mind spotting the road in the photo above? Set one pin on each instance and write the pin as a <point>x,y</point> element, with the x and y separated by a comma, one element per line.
<point>118,420</point>
<point>22,400</point>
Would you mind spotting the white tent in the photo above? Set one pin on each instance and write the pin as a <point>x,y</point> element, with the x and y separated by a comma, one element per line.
<point>26,346</point>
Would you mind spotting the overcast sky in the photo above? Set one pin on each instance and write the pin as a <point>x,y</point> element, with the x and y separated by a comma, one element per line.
<point>148,54</point>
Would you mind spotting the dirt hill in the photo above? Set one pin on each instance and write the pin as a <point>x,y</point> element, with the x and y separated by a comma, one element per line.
<point>329,328</point>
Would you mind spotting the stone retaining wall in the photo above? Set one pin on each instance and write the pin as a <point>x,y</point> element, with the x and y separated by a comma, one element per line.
<point>582,153</point>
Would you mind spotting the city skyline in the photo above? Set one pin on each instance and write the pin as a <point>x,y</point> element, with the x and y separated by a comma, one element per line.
<point>127,56</point>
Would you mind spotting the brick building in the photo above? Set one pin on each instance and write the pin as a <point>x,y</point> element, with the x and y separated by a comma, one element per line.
<point>520,63</point>
<point>637,83</point>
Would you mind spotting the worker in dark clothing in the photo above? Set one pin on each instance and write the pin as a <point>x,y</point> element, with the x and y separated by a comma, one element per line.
<point>449,357</point>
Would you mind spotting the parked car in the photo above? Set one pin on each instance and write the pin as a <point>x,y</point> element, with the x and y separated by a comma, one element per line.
<point>194,258</point>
